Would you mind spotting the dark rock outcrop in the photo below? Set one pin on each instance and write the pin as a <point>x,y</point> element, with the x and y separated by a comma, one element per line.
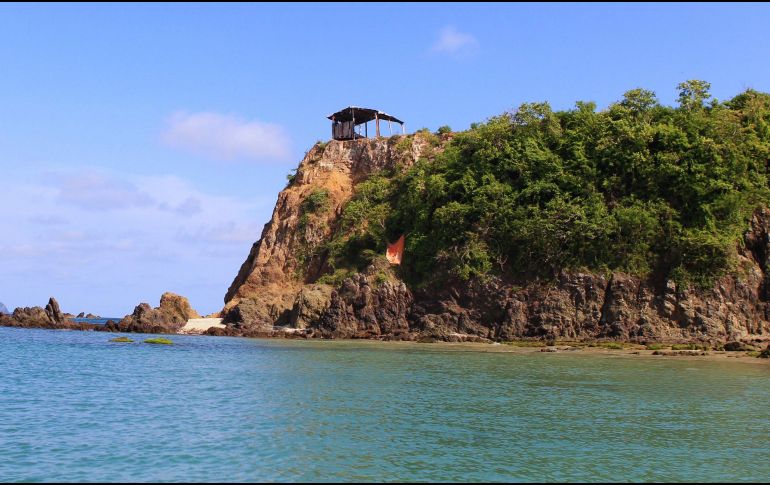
<point>50,317</point>
<point>359,309</point>
<point>53,311</point>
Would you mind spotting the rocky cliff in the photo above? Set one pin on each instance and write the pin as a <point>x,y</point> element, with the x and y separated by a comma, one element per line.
<point>284,259</point>
<point>276,291</point>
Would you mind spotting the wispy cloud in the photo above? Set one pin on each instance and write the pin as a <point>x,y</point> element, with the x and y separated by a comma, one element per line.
<point>93,190</point>
<point>455,43</point>
<point>226,137</point>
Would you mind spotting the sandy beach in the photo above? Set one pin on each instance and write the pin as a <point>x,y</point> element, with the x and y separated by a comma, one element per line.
<point>196,326</point>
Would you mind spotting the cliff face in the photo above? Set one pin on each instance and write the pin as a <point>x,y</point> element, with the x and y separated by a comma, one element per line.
<point>282,261</point>
<point>275,291</point>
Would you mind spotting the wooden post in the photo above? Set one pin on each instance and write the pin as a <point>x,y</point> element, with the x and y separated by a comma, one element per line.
<point>377,122</point>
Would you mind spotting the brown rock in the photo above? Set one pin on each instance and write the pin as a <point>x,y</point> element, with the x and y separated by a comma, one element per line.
<point>53,311</point>
<point>169,317</point>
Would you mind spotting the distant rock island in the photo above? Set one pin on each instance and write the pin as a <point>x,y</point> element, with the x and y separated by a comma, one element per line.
<point>3,309</point>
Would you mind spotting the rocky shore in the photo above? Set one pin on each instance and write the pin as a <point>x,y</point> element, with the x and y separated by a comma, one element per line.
<point>168,318</point>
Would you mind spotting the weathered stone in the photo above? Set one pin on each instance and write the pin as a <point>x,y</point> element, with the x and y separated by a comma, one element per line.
<point>169,317</point>
<point>53,311</point>
<point>311,302</point>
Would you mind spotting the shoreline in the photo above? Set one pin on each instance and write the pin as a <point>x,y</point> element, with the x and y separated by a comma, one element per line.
<point>605,348</point>
<point>574,348</point>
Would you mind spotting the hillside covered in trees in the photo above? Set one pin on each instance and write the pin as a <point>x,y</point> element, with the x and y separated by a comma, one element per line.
<point>637,222</point>
<point>638,187</point>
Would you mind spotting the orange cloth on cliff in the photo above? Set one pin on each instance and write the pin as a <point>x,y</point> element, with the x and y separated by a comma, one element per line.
<point>396,251</point>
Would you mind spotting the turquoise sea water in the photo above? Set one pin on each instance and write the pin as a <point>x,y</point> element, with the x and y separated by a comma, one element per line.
<point>74,407</point>
<point>96,321</point>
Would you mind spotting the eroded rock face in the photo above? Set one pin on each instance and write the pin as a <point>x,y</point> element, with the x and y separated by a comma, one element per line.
<point>281,262</point>
<point>359,309</point>
<point>53,311</point>
<point>32,317</point>
<point>311,303</point>
<point>169,317</point>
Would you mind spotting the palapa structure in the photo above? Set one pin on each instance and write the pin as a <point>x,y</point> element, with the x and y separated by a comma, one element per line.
<point>347,123</point>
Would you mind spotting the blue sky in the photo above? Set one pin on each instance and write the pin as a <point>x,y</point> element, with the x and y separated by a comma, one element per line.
<point>142,146</point>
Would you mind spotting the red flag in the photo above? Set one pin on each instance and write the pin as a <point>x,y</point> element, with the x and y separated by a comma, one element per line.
<point>396,251</point>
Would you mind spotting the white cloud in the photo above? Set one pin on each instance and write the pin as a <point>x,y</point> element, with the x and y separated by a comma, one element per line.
<point>93,190</point>
<point>171,234</point>
<point>226,137</point>
<point>455,43</point>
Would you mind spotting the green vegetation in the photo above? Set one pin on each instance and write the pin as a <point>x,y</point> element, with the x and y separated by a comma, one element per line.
<point>607,345</point>
<point>443,130</point>
<point>638,187</point>
<point>656,346</point>
<point>336,278</point>
<point>121,339</point>
<point>291,176</point>
<point>689,347</point>
<point>159,341</point>
<point>317,201</point>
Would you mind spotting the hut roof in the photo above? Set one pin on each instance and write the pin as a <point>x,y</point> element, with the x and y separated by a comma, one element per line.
<point>362,115</point>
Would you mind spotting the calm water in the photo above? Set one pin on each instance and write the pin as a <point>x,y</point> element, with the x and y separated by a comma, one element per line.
<point>96,321</point>
<point>74,407</point>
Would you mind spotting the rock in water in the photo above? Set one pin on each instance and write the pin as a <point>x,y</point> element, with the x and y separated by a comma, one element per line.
<point>53,311</point>
<point>3,309</point>
<point>169,317</point>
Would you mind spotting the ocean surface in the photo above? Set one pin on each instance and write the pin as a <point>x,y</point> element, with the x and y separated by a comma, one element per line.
<point>75,407</point>
<point>96,321</point>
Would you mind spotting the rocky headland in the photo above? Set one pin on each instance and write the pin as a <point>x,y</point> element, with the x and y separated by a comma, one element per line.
<point>640,223</point>
<point>281,291</point>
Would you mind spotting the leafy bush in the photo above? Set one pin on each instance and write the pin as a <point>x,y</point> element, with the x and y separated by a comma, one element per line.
<point>291,176</point>
<point>317,201</point>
